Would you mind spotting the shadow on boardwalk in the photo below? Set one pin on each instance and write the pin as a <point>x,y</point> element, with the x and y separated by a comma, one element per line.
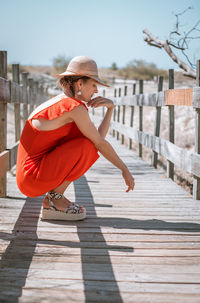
<point>15,263</point>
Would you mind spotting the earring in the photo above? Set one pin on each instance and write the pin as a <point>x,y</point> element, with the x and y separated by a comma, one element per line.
<point>79,93</point>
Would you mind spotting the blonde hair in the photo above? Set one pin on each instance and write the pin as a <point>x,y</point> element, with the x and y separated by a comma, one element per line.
<point>67,84</point>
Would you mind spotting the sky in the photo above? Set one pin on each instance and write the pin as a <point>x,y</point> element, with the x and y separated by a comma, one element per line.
<point>33,32</point>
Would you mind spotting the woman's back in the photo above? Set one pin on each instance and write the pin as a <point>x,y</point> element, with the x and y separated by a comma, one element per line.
<point>45,124</point>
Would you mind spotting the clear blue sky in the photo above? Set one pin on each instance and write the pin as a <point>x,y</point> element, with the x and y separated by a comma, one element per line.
<point>35,31</point>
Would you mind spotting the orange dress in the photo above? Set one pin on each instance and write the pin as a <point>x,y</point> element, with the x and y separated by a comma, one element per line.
<point>46,159</point>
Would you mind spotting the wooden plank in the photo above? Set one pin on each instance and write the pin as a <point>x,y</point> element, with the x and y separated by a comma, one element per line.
<point>42,244</point>
<point>132,116</point>
<point>196,180</point>
<point>3,64</point>
<point>16,93</point>
<point>123,252</point>
<point>4,90</point>
<point>103,267</point>
<point>183,97</point>
<point>157,123</point>
<point>118,112</point>
<point>31,94</point>
<point>13,154</point>
<point>3,121</point>
<point>89,293</point>
<point>25,96</point>
<point>158,99</point>
<point>4,163</point>
<point>15,76</point>
<point>110,276</point>
<point>196,97</point>
<point>108,237</point>
<point>123,114</point>
<point>171,126</point>
<point>145,260</point>
<point>140,116</point>
<point>114,112</point>
<point>170,151</point>
<point>154,99</point>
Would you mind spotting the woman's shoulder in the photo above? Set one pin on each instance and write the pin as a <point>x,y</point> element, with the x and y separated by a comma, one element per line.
<point>46,104</point>
<point>55,107</point>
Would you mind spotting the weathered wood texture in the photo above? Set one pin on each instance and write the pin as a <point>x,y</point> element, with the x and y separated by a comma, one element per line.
<point>16,80</point>
<point>141,246</point>
<point>171,97</point>
<point>171,126</point>
<point>159,99</point>
<point>157,123</point>
<point>3,121</point>
<point>196,182</point>
<point>179,96</point>
<point>184,159</point>
<point>5,90</point>
<point>141,88</point>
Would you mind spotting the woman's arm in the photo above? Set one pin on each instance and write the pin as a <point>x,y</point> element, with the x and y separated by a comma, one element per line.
<point>81,117</point>
<point>105,124</point>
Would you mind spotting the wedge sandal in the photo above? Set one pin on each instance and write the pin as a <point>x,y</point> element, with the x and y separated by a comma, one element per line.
<point>72,213</point>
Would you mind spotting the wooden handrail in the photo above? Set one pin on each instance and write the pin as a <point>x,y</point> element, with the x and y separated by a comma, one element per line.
<point>28,93</point>
<point>175,155</point>
<point>159,98</point>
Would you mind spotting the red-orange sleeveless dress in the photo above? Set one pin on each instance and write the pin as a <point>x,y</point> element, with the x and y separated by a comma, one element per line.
<point>46,159</point>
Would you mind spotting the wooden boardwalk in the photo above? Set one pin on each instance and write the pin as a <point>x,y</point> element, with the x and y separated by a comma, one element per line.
<point>142,246</point>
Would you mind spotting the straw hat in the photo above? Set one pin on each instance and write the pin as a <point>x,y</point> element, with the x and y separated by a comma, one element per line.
<point>82,66</point>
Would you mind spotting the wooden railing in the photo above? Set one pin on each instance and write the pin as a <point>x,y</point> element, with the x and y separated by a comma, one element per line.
<point>175,155</point>
<point>29,93</point>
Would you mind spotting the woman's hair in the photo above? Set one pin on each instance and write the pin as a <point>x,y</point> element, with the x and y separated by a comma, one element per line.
<point>67,84</point>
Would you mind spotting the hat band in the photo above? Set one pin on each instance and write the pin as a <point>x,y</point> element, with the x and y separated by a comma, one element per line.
<point>85,72</point>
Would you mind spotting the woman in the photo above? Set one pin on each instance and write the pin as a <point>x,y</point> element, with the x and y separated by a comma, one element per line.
<point>59,143</point>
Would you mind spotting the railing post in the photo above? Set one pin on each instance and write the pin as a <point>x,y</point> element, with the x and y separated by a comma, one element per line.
<point>114,112</point>
<point>15,78</point>
<point>140,116</point>
<point>45,93</point>
<point>3,121</point>
<point>118,113</point>
<point>25,96</point>
<point>132,116</point>
<point>157,122</point>
<point>196,180</point>
<point>124,112</point>
<point>170,165</point>
<point>30,95</point>
<point>41,93</point>
<point>36,93</point>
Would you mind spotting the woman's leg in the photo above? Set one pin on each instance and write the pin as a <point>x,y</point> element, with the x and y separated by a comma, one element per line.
<point>73,159</point>
<point>61,203</point>
<point>61,188</point>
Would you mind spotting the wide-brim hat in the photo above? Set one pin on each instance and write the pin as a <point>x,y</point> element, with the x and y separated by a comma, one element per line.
<point>82,66</point>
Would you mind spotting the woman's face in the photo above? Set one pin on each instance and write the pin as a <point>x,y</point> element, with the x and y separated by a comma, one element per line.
<point>88,89</point>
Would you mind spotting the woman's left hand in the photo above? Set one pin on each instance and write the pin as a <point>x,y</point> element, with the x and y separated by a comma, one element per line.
<point>101,101</point>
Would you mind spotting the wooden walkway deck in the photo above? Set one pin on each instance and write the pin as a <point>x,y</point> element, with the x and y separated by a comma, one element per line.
<point>142,246</point>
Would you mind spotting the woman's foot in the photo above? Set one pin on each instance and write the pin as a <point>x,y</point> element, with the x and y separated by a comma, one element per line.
<point>60,204</point>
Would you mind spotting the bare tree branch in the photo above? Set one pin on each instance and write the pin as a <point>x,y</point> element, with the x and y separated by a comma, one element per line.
<point>181,44</point>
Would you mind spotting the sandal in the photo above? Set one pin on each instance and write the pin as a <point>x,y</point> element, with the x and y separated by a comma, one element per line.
<point>71,213</point>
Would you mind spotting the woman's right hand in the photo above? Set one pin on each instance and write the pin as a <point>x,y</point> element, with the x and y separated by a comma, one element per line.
<point>129,180</point>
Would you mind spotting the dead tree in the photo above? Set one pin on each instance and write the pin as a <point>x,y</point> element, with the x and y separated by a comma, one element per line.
<point>181,44</point>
